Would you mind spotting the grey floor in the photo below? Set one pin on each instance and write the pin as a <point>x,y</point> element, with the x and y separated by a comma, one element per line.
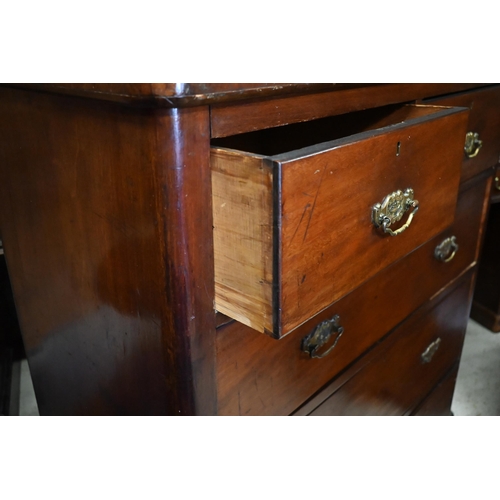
<point>478,384</point>
<point>27,399</point>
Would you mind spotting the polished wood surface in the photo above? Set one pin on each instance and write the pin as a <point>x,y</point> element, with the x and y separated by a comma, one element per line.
<point>326,243</point>
<point>106,219</point>
<point>174,95</point>
<point>236,118</point>
<point>393,379</point>
<point>106,223</point>
<point>484,105</point>
<point>262,376</point>
<point>171,95</point>
<point>438,402</point>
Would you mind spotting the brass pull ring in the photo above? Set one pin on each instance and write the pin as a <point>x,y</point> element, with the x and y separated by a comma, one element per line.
<point>313,342</point>
<point>447,249</point>
<point>392,209</point>
<point>497,183</point>
<point>472,144</point>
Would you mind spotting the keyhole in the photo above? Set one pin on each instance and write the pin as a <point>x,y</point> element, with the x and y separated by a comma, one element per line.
<point>398,148</point>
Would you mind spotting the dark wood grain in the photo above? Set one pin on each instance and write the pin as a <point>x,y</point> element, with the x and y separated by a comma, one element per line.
<point>106,218</point>
<point>262,376</point>
<point>484,119</point>
<point>329,245</point>
<point>325,243</point>
<point>438,402</point>
<point>236,118</point>
<point>394,379</point>
<point>170,95</point>
<point>106,222</point>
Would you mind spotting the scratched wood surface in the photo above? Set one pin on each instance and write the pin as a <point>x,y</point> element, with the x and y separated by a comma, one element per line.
<point>327,243</point>
<point>258,375</point>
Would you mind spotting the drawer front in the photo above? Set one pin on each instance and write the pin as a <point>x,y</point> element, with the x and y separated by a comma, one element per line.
<point>438,402</point>
<point>329,245</point>
<point>260,375</point>
<point>484,120</point>
<point>324,240</point>
<point>409,364</point>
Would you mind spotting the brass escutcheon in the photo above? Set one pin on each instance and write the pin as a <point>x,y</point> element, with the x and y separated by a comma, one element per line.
<point>472,144</point>
<point>392,209</point>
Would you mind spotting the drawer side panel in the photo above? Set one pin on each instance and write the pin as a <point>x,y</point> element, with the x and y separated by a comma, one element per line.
<point>243,237</point>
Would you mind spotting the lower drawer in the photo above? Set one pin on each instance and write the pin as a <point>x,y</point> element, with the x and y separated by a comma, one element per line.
<point>258,375</point>
<point>409,364</point>
<point>438,402</point>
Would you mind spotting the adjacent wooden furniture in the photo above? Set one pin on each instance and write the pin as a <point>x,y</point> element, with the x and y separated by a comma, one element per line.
<point>245,249</point>
<point>486,303</point>
<point>11,350</point>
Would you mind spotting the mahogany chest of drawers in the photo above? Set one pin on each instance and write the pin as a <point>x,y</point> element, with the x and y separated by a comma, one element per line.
<point>249,249</point>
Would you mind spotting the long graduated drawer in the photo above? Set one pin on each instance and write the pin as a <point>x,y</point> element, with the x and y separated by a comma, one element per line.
<point>296,230</point>
<point>258,375</point>
<point>409,364</point>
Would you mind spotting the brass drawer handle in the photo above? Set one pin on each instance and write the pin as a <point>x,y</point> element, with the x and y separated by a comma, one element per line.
<point>497,183</point>
<point>315,340</point>
<point>472,144</point>
<point>447,249</point>
<point>428,354</point>
<point>392,209</point>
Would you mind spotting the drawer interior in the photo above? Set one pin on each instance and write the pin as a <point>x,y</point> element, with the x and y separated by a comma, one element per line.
<point>278,140</point>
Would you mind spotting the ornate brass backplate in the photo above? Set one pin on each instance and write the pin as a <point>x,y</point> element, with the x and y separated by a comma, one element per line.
<point>447,249</point>
<point>312,343</point>
<point>392,209</point>
<point>472,144</point>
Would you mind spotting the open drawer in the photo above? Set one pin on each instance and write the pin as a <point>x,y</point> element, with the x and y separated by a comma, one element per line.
<point>305,214</point>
